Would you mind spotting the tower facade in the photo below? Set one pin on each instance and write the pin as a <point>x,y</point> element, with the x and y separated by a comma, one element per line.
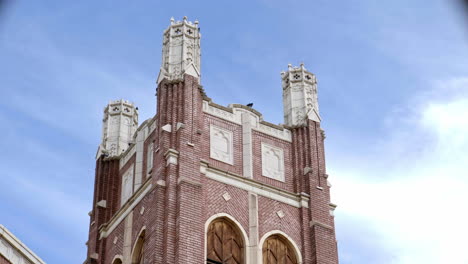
<point>204,183</point>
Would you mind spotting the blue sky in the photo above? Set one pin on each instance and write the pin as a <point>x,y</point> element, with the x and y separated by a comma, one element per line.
<point>393,94</point>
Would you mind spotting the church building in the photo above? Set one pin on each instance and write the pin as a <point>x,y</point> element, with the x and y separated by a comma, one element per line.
<point>205,183</point>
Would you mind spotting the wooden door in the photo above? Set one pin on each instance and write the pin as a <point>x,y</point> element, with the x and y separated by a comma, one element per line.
<point>277,250</point>
<point>225,244</point>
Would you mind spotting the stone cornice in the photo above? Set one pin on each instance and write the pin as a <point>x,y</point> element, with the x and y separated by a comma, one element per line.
<point>234,112</point>
<point>297,200</point>
<point>12,244</point>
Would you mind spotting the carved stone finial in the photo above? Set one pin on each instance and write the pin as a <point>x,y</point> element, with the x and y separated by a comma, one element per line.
<point>172,20</point>
<point>185,18</point>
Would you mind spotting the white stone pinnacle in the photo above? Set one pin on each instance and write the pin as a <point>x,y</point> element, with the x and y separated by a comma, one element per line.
<point>180,50</point>
<point>119,125</point>
<point>300,100</point>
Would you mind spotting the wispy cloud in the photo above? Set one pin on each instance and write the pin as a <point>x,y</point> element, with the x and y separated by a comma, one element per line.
<point>415,204</point>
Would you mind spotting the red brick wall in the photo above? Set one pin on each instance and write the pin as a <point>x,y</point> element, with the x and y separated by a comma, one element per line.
<point>114,249</point>
<point>237,206</point>
<point>3,260</point>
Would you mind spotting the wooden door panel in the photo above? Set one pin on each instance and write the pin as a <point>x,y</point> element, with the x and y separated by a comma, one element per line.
<point>276,250</point>
<point>225,244</point>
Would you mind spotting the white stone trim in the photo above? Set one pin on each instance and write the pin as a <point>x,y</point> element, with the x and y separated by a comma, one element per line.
<point>236,117</point>
<point>215,152</point>
<point>128,154</point>
<point>296,200</point>
<point>12,246</point>
<point>215,111</point>
<point>172,157</point>
<point>247,151</point>
<point>278,232</point>
<point>284,134</point>
<point>127,187</point>
<point>141,136</point>
<point>253,227</point>
<point>125,210</point>
<point>102,203</point>
<point>167,128</point>
<point>149,157</point>
<point>244,234</point>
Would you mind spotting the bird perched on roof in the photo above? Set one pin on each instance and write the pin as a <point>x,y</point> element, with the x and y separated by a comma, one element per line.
<point>250,104</point>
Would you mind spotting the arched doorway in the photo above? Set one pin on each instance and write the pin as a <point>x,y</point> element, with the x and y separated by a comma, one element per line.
<point>224,243</point>
<point>117,261</point>
<point>138,250</point>
<point>278,250</point>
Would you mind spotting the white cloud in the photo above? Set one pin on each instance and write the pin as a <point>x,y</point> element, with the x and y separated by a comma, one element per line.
<point>419,212</point>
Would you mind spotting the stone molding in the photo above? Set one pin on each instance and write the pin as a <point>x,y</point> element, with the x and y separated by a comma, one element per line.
<point>316,223</point>
<point>127,185</point>
<point>172,157</point>
<point>14,250</point>
<point>250,185</point>
<point>147,127</point>
<point>107,228</point>
<point>127,155</point>
<point>233,114</point>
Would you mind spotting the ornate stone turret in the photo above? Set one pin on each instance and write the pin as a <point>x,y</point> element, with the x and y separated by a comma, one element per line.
<point>119,125</point>
<point>300,101</point>
<point>181,50</point>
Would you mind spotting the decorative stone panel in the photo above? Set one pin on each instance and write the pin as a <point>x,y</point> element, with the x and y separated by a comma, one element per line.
<point>272,162</point>
<point>221,144</point>
<point>127,185</point>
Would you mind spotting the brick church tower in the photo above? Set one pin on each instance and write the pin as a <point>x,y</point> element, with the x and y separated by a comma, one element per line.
<point>204,183</point>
